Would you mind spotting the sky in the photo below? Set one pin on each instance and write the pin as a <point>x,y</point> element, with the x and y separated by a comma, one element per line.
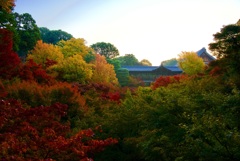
<point>155,30</point>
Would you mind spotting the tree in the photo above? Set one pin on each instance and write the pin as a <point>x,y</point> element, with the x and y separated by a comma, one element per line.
<point>43,52</point>
<point>128,59</point>
<point>39,134</point>
<point>238,23</point>
<point>74,47</point>
<point>9,60</point>
<point>53,36</point>
<point>31,71</point>
<point>226,48</point>
<point>7,20</point>
<point>28,32</point>
<point>170,62</point>
<point>190,63</point>
<point>106,49</point>
<point>7,5</point>
<point>123,76</point>
<point>164,81</point>
<point>73,69</point>
<point>145,62</point>
<point>103,72</point>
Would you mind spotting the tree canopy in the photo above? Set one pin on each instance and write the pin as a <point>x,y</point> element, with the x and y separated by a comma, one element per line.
<point>128,59</point>
<point>145,62</point>
<point>28,32</point>
<point>42,52</point>
<point>170,62</point>
<point>53,36</point>
<point>103,72</point>
<point>190,63</point>
<point>7,5</point>
<point>226,47</point>
<point>74,47</point>
<point>106,49</point>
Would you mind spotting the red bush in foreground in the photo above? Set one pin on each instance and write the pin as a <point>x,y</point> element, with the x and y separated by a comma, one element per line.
<point>38,134</point>
<point>166,80</point>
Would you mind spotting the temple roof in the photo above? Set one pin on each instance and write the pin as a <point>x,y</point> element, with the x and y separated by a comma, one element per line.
<point>204,51</point>
<point>138,68</point>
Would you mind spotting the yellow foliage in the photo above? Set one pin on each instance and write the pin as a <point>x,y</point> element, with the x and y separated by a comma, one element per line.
<point>74,46</point>
<point>74,69</point>
<point>190,63</point>
<point>103,72</point>
<point>43,51</point>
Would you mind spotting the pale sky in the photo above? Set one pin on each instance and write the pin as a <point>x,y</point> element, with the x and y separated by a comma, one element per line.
<point>156,30</point>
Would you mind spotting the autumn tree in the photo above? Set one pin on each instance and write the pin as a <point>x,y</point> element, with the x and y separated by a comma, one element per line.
<point>74,47</point>
<point>7,5</point>
<point>106,49</point>
<point>39,134</point>
<point>73,69</point>
<point>103,72</point>
<point>145,62</point>
<point>9,60</point>
<point>42,52</point>
<point>164,81</point>
<point>53,36</point>
<point>31,71</point>
<point>190,63</point>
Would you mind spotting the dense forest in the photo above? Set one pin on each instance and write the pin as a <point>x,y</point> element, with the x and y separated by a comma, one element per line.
<point>63,100</point>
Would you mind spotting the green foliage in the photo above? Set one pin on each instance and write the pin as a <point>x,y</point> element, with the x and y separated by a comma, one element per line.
<point>115,62</point>
<point>106,49</point>
<point>226,47</point>
<point>128,59</point>
<point>7,21</point>
<point>28,32</point>
<point>123,76</point>
<point>170,62</point>
<point>53,36</point>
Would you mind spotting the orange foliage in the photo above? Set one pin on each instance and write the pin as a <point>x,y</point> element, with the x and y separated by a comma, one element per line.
<point>33,94</point>
<point>103,72</point>
<point>7,5</point>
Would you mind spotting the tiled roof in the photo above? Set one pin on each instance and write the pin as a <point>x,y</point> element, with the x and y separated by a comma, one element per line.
<point>138,68</point>
<point>173,68</point>
<point>150,68</point>
<point>202,51</point>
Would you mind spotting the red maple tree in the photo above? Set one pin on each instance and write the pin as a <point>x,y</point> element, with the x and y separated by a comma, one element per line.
<point>39,134</point>
<point>9,60</point>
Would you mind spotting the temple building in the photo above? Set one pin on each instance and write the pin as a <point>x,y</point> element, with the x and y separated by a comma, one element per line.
<point>150,73</point>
